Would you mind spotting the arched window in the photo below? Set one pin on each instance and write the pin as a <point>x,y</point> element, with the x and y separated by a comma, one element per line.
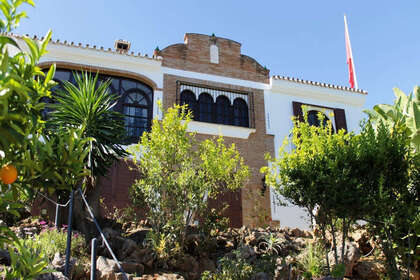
<point>205,107</point>
<point>136,100</point>
<point>314,120</point>
<point>136,108</point>
<point>240,113</point>
<point>188,97</point>
<point>224,111</point>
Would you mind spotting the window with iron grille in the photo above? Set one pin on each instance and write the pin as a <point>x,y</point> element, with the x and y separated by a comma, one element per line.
<point>217,105</point>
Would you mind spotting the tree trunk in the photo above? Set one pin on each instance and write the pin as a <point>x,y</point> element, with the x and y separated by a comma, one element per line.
<point>391,264</point>
<point>82,220</point>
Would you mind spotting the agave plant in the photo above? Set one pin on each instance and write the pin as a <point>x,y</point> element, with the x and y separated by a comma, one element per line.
<point>405,112</point>
<point>88,104</point>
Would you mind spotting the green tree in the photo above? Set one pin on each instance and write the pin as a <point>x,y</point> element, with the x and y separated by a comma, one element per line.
<point>41,159</point>
<point>396,217</point>
<point>317,174</point>
<point>391,199</point>
<point>22,84</point>
<point>179,173</point>
<point>351,177</point>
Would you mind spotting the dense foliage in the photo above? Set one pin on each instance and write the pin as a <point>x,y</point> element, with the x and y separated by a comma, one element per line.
<point>42,160</point>
<point>348,177</point>
<point>179,173</point>
<point>88,106</point>
<point>403,114</point>
<point>395,215</point>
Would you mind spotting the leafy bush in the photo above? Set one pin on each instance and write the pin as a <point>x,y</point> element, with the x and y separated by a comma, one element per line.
<point>179,174</point>
<point>347,177</point>
<point>163,245</point>
<point>214,222</point>
<point>27,262</point>
<point>52,240</point>
<point>231,268</point>
<point>125,216</point>
<point>312,261</point>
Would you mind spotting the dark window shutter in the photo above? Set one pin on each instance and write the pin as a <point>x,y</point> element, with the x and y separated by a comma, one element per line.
<point>297,110</point>
<point>340,119</point>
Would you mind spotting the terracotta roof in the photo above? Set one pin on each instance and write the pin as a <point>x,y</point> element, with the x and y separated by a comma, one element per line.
<point>86,46</point>
<point>312,83</point>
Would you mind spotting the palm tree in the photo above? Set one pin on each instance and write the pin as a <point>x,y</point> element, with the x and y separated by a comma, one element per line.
<point>88,105</point>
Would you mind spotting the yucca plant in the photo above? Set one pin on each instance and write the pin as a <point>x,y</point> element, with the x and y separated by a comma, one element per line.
<point>89,104</point>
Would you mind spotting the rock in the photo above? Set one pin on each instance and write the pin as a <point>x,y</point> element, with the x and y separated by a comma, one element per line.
<point>282,270</point>
<point>129,246</point>
<point>164,276</point>
<point>362,239</point>
<point>229,245</point>
<point>4,257</point>
<point>246,251</point>
<point>206,264</point>
<point>107,268</point>
<point>132,267</point>
<point>59,263</point>
<point>296,232</point>
<point>300,242</point>
<point>139,235</point>
<point>139,255</point>
<point>52,276</point>
<point>351,256</point>
<point>122,247</point>
<point>186,263</point>
<point>261,276</point>
<point>368,270</point>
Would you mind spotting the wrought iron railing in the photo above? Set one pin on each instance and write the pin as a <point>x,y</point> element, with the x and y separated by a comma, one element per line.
<point>231,94</point>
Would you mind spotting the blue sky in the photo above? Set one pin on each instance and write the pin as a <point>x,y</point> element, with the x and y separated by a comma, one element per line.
<point>303,39</point>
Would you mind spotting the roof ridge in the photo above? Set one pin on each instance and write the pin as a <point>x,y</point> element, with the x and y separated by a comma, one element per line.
<point>86,46</point>
<point>320,84</point>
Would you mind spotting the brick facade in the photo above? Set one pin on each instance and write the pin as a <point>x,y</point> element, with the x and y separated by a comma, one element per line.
<point>194,55</point>
<point>255,208</point>
<point>250,206</point>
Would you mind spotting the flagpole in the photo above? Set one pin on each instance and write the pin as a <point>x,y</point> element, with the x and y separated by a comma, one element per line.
<point>351,53</point>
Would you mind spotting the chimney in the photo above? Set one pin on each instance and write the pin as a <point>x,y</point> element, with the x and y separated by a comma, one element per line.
<point>122,46</point>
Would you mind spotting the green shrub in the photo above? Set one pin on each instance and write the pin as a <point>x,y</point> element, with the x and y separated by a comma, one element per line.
<point>51,241</point>
<point>214,222</point>
<point>312,261</point>
<point>176,167</point>
<point>231,268</point>
<point>27,262</point>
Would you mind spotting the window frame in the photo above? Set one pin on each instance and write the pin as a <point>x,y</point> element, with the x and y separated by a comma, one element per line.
<point>235,94</point>
<point>121,92</point>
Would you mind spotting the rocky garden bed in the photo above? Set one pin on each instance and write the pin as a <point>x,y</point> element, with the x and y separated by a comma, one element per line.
<point>244,253</point>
